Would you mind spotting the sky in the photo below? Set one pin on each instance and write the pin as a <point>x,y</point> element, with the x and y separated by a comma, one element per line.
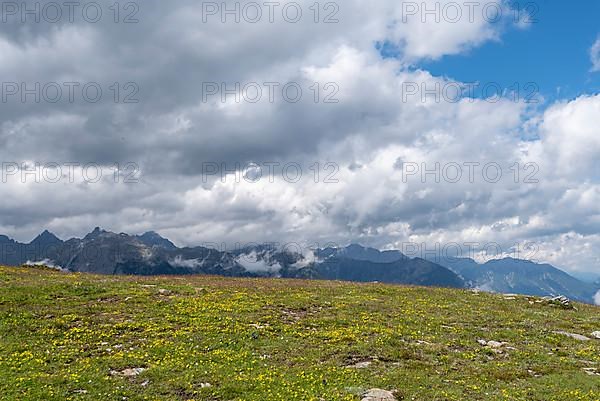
<point>453,130</point>
<point>552,51</point>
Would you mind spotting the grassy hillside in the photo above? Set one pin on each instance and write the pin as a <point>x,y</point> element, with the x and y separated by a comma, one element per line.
<point>83,337</point>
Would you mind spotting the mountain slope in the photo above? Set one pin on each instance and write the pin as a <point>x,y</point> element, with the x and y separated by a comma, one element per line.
<point>357,252</point>
<point>152,238</point>
<point>409,271</point>
<point>45,239</point>
<point>521,277</point>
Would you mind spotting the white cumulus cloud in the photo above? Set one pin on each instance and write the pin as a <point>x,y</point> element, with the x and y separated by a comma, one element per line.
<point>367,136</point>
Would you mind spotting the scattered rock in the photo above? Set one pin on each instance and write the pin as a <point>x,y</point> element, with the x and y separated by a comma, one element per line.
<point>145,383</point>
<point>495,346</point>
<point>164,292</point>
<point>492,344</point>
<point>596,335</point>
<point>132,372</point>
<point>591,371</point>
<point>360,365</point>
<point>205,385</point>
<point>561,301</point>
<point>80,391</point>
<point>578,337</point>
<point>376,394</point>
<point>129,372</point>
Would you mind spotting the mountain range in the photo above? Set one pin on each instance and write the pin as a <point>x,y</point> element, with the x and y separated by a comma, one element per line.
<point>105,252</point>
<point>520,277</point>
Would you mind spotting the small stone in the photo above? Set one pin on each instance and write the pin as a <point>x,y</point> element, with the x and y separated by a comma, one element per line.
<point>482,342</point>
<point>129,372</point>
<point>561,301</point>
<point>376,394</point>
<point>360,365</point>
<point>205,385</point>
<point>164,292</point>
<point>495,344</point>
<point>578,337</point>
<point>145,383</point>
<point>596,335</point>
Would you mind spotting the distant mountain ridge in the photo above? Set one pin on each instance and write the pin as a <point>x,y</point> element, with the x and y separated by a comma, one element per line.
<point>507,275</point>
<point>517,276</point>
<point>358,252</point>
<point>105,252</point>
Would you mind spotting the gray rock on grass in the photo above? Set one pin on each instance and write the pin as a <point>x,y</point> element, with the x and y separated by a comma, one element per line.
<point>577,337</point>
<point>376,394</point>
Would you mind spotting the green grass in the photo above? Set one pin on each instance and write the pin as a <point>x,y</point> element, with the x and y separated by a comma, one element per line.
<point>61,335</point>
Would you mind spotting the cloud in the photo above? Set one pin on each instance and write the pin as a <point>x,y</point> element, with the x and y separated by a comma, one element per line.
<point>595,56</point>
<point>253,263</point>
<point>352,152</point>
<point>45,263</point>
<point>597,298</point>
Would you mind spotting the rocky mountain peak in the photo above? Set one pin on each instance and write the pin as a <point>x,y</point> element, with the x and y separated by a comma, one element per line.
<point>152,238</point>
<point>46,238</point>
